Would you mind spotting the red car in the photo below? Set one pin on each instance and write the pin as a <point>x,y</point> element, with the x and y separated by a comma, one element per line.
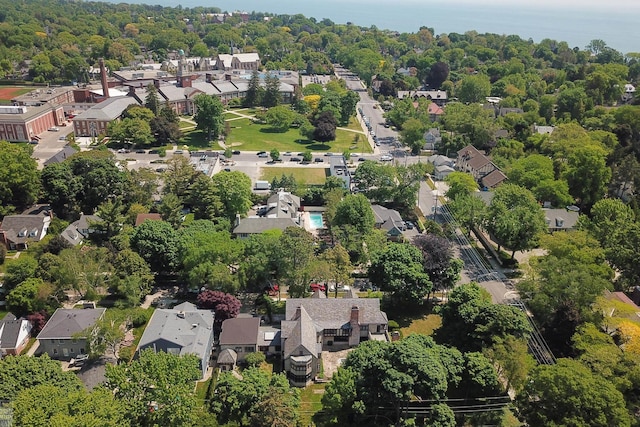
<point>317,287</point>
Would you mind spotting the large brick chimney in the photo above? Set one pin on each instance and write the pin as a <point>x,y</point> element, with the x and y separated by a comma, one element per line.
<point>354,323</point>
<point>103,79</point>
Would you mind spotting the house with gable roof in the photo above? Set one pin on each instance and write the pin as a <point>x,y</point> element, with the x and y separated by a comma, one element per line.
<point>319,324</point>
<point>484,171</point>
<point>182,330</point>
<point>14,334</point>
<point>17,231</point>
<point>243,335</point>
<point>388,220</point>
<point>81,229</point>
<point>59,337</point>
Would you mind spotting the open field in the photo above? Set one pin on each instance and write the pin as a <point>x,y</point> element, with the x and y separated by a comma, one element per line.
<point>7,93</point>
<point>306,175</point>
<point>248,136</point>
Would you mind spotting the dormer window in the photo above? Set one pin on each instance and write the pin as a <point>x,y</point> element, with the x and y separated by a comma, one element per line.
<point>23,233</point>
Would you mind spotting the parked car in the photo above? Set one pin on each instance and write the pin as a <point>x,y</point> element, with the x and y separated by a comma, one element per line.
<point>54,129</point>
<point>62,138</point>
<point>288,153</point>
<point>318,160</point>
<point>296,159</point>
<point>328,154</point>
<point>261,152</point>
<point>141,152</point>
<point>236,152</point>
<point>178,152</point>
<point>33,141</point>
<point>79,360</point>
<point>263,155</point>
<point>361,159</point>
<point>317,287</point>
<point>409,225</point>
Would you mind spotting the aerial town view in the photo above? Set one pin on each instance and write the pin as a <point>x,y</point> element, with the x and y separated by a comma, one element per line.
<point>234,218</point>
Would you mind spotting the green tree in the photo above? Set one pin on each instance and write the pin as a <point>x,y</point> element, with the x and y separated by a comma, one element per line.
<point>255,359</point>
<point>280,118</point>
<point>155,242</point>
<point>274,154</point>
<point>438,260</point>
<point>208,115</point>
<point>18,373</point>
<point>271,96</point>
<point>84,272</point>
<point>179,177</point>
<point>52,405</point>
<point>170,210</point>
<point>19,178</point>
<point>474,88</point>
<point>30,296</point>
<point>412,134</point>
<point>132,277</point>
<point>295,254</point>
<point>587,175</point>
<point>515,219</point>
<point>244,400</point>
<point>468,210</point>
<point>156,388</point>
<point>18,271</point>
<point>460,183</point>
<point>569,394</point>
<point>354,210</point>
<point>234,192</point>
<point>152,101</point>
<point>255,92</point>
<point>398,270</point>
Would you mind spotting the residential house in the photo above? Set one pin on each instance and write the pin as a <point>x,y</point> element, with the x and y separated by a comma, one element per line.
<point>81,229</point>
<point>561,219</point>
<point>243,335</point>
<point>314,325</point>
<point>473,161</point>
<point>14,334</point>
<point>440,160</point>
<point>59,337</point>
<point>438,97</point>
<point>389,220</point>
<point>142,217</point>
<point>543,130</point>
<point>245,227</point>
<point>442,172</point>
<point>182,330</point>
<point>432,139</point>
<point>435,112</point>
<point>17,231</point>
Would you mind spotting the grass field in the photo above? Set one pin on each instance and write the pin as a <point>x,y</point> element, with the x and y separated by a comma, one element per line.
<point>249,136</point>
<point>303,175</point>
<point>2,314</point>
<point>7,93</point>
<point>424,326</point>
<point>310,402</point>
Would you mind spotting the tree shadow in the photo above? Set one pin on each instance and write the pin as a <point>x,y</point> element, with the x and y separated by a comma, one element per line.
<point>272,130</point>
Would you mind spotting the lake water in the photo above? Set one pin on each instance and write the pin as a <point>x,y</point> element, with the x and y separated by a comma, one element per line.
<point>576,22</point>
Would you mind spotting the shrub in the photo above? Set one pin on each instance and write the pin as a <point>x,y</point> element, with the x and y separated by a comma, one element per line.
<point>393,325</point>
<point>255,359</point>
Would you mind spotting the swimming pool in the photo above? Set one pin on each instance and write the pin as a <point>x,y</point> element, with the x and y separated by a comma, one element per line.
<point>315,220</point>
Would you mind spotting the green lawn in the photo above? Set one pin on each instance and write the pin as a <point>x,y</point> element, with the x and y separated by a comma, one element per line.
<point>424,326</point>
<point>310,402</point>
<point>196,140</point>
<point>249,136</point>
<point>2,314</point>
<point>303,175</point>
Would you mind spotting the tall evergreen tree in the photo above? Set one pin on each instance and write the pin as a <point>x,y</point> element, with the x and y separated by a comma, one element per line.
<point>254,91</point>
<point>271,96</point>
<point>151,101</point>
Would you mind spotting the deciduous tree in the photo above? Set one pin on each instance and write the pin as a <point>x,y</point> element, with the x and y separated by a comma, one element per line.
<point>19,178</point>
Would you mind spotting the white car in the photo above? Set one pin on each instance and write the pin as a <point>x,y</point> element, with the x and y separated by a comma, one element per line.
<point>386,158</point>
<point>54,129</point>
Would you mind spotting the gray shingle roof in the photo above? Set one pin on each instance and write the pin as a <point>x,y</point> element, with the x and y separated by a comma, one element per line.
<point>185,327</point>
<point>10,327</point>
<point>333,313</point>
<point>259,225</point>
<point>301,333</point>
<point>228,356</point>
<point>240,331</point>
<point>65,322</point>
<point>107,110</point>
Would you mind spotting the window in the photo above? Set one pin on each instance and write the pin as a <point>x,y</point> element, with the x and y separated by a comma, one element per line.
<point>248,349</point>
<point>72,350</point>
<point>55,351</point>
<point>61,341</point>
<point>238,349</point>
<point>364,328</point>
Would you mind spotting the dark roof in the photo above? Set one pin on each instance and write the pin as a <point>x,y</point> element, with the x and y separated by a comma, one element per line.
<point>228,356</point>
<point>259,225</point>
<point>61,155</point>
<point>147,216</point>
<point>240,331</point>
<point>494,178</point>
<point>561,219</point>
<point>333,313</point>
<point>23,228</point>
<point>301,331</point>
<point>10,330</point>
<point>65,323</point>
